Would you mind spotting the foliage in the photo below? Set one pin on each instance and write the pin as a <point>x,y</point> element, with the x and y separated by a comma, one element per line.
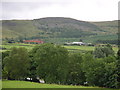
<point>33,67</point>
<point>51,60</point>
<point>103,51</point>
<point>75,75</point>
<point>54,64</point>
<point>3,55</point>
<point>100,72</point>
<point>16,64</point>
<point>108,41</point>
<point>118,68</point>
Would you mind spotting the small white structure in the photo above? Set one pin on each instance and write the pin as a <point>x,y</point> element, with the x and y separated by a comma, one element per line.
<point>40,80</point>
<point>78,43</point>
<point>29,78</point>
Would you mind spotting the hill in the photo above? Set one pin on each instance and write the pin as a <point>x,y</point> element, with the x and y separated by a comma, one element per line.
<point>59,29</point>
<point>111,27</point>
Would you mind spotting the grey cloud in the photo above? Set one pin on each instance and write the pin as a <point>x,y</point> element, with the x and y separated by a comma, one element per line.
<point>30,5</point>
<point>13,6</point>
<point>27,9</point>
<point>13,9</point>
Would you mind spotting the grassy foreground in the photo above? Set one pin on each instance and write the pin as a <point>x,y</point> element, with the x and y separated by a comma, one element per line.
<point>26,84</point>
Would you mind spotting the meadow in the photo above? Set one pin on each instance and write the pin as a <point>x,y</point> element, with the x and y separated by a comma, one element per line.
<point>27,84</point>
<point>9,46</point>
<point>70,48</point>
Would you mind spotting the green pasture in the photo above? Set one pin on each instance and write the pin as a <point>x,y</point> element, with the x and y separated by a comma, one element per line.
<point>86,48</point>
<point>27,84</point>
<point>9,46</point>
<point>70,48</point>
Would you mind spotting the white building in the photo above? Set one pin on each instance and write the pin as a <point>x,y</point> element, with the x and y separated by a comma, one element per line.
<point>78,43</point>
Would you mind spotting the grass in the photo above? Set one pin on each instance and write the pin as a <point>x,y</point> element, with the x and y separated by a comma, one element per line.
<point>8,46</point>
<point>26,84</point>
<point>70,48</point>
<point>86,48</point>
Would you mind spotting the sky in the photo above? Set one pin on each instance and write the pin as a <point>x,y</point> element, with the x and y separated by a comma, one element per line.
<point>86,10</point>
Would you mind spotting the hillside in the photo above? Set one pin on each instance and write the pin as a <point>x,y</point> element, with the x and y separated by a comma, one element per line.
<point>18,28</point>
<point>58,28</point>
<point>111,27</point>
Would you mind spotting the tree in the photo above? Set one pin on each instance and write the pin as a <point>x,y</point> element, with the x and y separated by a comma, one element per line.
<point>81,40</point>
<point>52,63</point>
<point>16,64</point>
<point>33,68</point>
<point>100,71</point>
<point>87,66</point>
<point>110,75</point>
<point>75,75</point>
<point>118,68</point>
<point>0,66</point>
<point>103,51</point>
<point>4,54</point>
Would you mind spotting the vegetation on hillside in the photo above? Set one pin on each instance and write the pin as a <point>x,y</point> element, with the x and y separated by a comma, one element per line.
<point>53,28</point>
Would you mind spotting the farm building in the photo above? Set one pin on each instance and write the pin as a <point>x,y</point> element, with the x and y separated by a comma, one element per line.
<point>36,41</point>
<point>78,43</point>
<point>75,43</point>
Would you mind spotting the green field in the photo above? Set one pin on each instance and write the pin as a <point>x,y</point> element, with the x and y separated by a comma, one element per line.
<point>9,46</point>
<point>26,84</point>
<point>86,48</point>
<point>70,48</point>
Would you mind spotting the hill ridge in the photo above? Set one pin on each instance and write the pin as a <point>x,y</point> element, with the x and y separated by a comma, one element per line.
<point>56,27</point>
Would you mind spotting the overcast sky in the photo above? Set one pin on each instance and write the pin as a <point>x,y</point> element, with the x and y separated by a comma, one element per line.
<point>87,10</point>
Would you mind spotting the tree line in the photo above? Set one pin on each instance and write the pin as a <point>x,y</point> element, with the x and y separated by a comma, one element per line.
<point>55,64</point>
<point>108,41</point>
